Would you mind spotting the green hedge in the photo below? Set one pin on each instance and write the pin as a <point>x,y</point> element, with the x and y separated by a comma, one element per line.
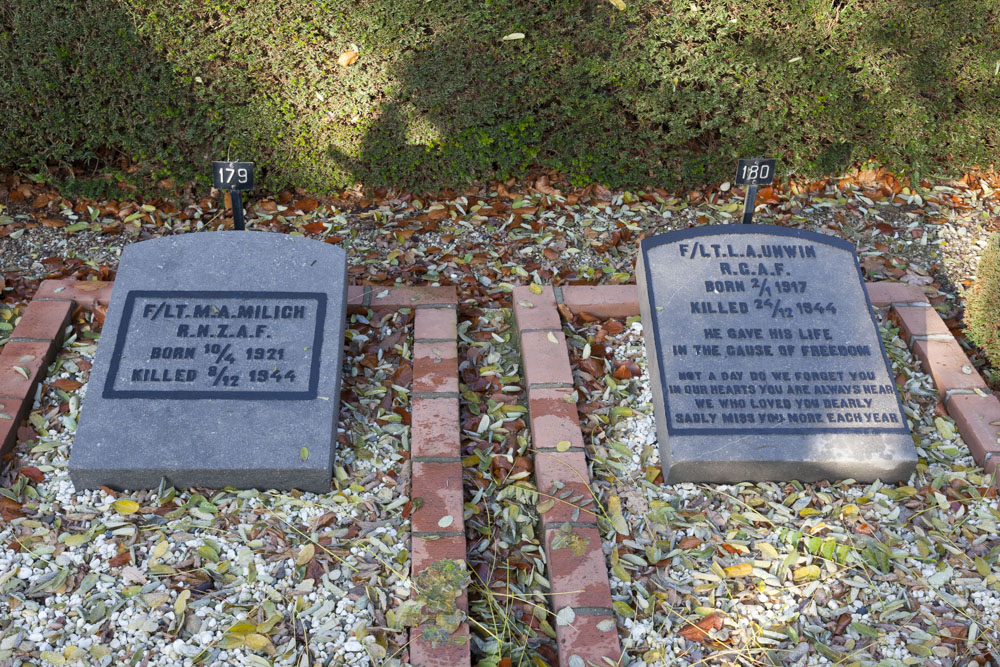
<point>665,92</point>
<point>982,310</point>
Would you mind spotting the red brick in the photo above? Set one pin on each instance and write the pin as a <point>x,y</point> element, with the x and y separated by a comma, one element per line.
<point>436,323</point>
<point>434,427</point>
<point>545,362</point>
<point>886,293</point>
<point>424,552</point>
<point>562,477</point>
<point>435,367</point>
<point>44,320</point>
<point>84,292</point>
<point>393,298</point>
<point>449,655</point>
<point>578,581</point>
<point>947,364</point>
<point>440,487</point>
<point>553,418</point>
<point>582,638</point>
<point>920,321</point>
<point>536,311</point>
<point>355,298</point>
<point>17,410</point>
<point>32,357</point>
<point>975,417</point>
<point>992,467</point>
<point>602,300</point>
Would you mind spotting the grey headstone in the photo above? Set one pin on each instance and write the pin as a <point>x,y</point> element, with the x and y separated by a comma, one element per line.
<point>754,375</point>
<point>220,359</point>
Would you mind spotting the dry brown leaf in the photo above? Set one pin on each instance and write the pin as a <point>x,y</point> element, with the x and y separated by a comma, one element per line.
<point>347,58</point>
<point>66,384</point>
<point>698,632</point>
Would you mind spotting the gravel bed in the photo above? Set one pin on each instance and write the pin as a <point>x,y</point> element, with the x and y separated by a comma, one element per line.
<point>789,573</point>
<point>203,576</point>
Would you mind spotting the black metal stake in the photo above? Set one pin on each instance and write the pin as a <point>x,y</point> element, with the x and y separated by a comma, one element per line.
<point>238,211</point>
<point>749,203</point>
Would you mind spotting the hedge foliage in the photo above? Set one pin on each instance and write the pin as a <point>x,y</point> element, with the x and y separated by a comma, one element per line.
<point>665,92</point>
<point>982,310</point>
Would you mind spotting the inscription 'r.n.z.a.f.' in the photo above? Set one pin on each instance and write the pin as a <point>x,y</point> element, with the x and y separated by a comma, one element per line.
<point>203,344</point>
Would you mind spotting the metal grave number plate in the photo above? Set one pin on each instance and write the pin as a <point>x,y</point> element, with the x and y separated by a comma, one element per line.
<point>233,345</point>
<point>234,176</point>
<point>755,171</point>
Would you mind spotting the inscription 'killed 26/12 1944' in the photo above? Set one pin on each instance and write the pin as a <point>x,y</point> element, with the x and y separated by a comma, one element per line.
<point>764,345</point>
<point>189,345</point>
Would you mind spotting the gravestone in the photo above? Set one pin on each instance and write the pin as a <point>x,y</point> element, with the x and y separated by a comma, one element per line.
<point>219,365</point>
<point>765,359</point>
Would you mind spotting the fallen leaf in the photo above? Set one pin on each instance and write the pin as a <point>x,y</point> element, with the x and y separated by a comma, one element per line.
<point>740,570</point>
<point>347,58</point>
<point>123,558</point>
<point>306,554</point>
<point>512,36</point>
<point>133,575</point>
<point>32,473</point>
<point>698,632</point>
<point>125,506</point>
<point>689,543</point>
<point>66,384</point>
<point>617,518</point>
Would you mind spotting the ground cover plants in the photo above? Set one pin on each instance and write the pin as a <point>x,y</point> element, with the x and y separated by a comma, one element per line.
<point>408,93</point>
<point>982,313</point>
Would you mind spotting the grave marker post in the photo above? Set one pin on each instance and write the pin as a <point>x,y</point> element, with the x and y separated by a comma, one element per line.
<point>234,177</point>
<point>753,172</point>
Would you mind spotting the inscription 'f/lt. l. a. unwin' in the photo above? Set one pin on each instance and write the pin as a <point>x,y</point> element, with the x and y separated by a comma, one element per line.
<point>766,360</point>
<point>187,345</point>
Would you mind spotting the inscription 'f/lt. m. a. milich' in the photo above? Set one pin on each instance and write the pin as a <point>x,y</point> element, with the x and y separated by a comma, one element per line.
<point>232,345</point>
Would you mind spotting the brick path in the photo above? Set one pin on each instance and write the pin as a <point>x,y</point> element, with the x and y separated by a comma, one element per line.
<point>579,581</point>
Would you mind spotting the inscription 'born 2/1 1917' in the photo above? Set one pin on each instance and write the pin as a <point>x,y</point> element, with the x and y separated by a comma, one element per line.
<point>232,345</point>
<point>769,342</point>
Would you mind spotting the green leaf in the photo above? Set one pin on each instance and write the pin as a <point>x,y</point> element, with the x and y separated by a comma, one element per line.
<point>304,453</point>
<point>623,608</point>
<point>865,629</point>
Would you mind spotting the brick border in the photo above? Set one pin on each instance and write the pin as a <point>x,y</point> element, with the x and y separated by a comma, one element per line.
<point>435,452</point>
<point>437,528</point>
<point>24,359</point>
<point>577,581</point>
<point>966,395</point>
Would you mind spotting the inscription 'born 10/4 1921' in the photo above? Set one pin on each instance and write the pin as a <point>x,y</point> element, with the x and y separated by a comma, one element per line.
<point>202,344</point>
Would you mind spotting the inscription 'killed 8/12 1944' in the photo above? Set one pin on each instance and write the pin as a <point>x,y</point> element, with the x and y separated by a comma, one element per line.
<point>203,344</point>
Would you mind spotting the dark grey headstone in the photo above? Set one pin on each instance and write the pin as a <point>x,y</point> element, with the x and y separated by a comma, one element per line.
<point>220,359</point>
<point>765,359</point>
